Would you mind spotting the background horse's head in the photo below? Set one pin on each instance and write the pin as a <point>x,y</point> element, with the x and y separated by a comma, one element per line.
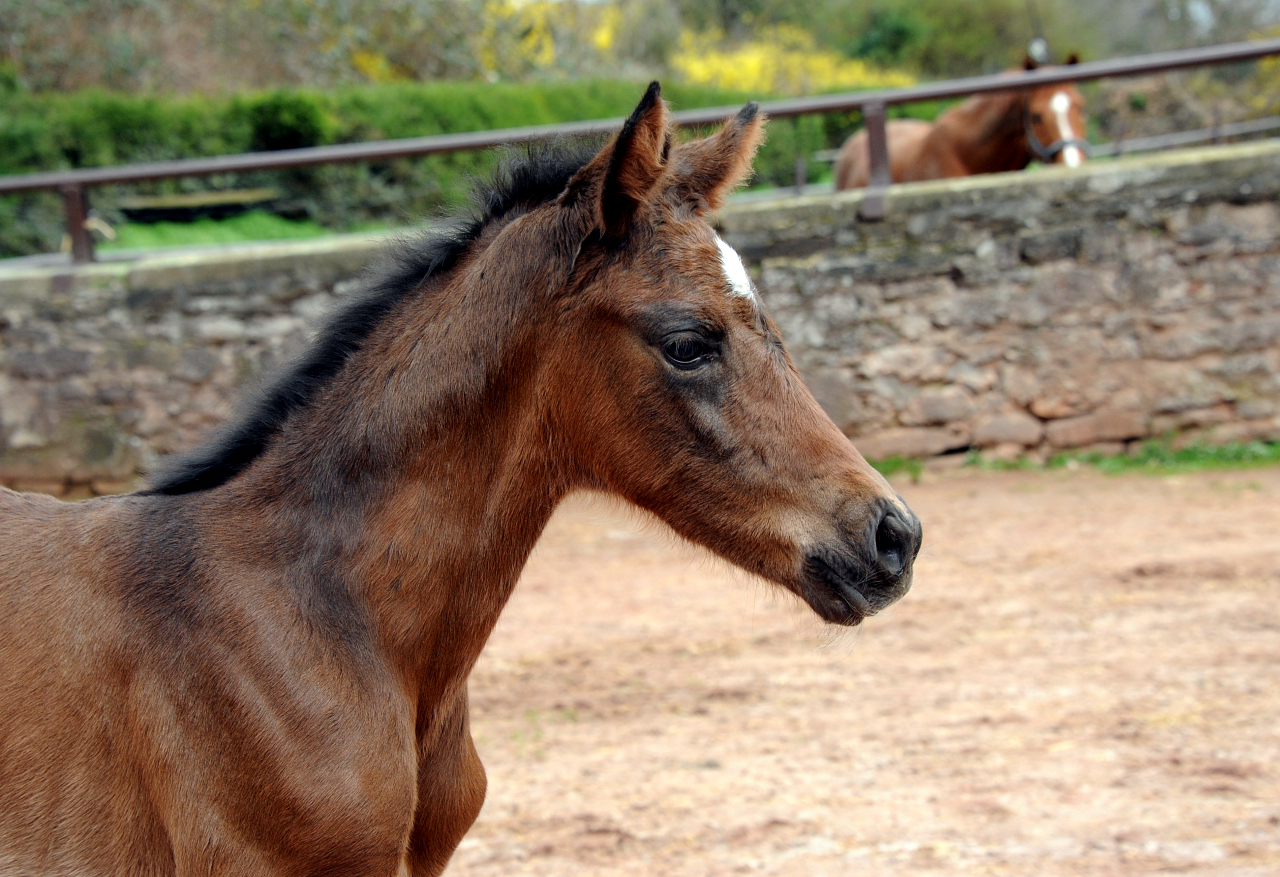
<point>674,390</point>
<point>1055,122</point>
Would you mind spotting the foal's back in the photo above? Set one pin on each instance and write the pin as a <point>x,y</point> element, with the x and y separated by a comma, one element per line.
<point>66,667</point>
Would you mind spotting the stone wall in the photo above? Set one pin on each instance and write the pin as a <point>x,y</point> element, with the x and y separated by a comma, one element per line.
<point>107,367</point>
<point>1016,313</point>
<point>1027,313</point>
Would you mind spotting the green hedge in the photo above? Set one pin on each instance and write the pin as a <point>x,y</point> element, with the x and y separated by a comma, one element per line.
<point>93,128</point>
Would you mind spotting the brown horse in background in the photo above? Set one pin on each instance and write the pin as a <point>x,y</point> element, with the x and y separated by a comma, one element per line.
<point>989,133</point>
<point>258,665</point>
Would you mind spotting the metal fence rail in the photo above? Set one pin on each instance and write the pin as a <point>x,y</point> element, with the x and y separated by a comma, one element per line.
<point>75,184</point>
<point>1215,134</point>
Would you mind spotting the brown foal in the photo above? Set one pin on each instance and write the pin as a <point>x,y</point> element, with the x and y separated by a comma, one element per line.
<point>258,665</point>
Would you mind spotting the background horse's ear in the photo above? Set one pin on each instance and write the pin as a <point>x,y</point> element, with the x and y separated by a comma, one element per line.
<point>1029,63</point>
<point>615,183</point>
<point>707,170</point>
<point>1073,58</point>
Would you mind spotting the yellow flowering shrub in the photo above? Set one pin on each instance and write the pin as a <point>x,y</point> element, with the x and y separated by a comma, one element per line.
<point>606,30</point>
<point>376,67</point>
<point>782,60</point>
<point>1266,82</point>
<point>519,35</point>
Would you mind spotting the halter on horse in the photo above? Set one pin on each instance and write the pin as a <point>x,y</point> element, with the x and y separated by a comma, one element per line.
<point>258,666</point>
<point>1073,149</point>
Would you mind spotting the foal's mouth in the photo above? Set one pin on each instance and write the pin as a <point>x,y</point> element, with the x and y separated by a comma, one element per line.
<point>842,595</point>
<point>848,583</point>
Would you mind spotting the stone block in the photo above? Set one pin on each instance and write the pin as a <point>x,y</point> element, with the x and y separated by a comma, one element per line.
<point>917,442</point>
<point>1163,424</point>
<point>219,328</point>
<point>984,308</point>
<point>1202,395</point>
<point>1206,416</point>
<point>50,365</point>
<point>1051,246</point>
<point>1241,366</point>
<point>35,485</point>
<point>1267,430</point>
<point>1253,334</point>
<point>196,365</point>
<point>1100,426</point>
<point>1104,449</point>
<point>937,406</point>
<point>26,440</point>
<point>1255,409</point>
<point>833,388</point>
<point>101,487</point>
<point>976,379</point>
<point>1022,385</point>
<point>1059,404</point>
<point>1246,223</point>
<point>1005,452</point>
<point>906,362</point>
<point>1014,428</point>
<point>114,394</point>
<point>1030,312</point>
<point>1179,345</point>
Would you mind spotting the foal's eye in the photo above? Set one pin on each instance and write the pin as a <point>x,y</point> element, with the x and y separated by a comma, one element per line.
<point>1037,118</point>
<point>687,351</point>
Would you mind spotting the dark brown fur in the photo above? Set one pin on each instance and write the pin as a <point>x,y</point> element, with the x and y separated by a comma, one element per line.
<point>258,665</point>
<point>985,134</point>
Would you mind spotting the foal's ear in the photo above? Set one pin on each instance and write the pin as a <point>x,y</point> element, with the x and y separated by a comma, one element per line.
<point>621,177</point>
<point>706,171</point>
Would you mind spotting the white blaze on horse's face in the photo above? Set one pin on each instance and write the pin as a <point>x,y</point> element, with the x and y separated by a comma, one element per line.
<point>736,272</point>
<point>1060,103</point>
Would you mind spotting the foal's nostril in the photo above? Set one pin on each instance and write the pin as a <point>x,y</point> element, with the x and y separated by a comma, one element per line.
<point>893,543</point>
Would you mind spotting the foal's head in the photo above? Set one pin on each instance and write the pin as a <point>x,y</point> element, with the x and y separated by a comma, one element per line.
<point>1055,123</point>
<point>671,385</point>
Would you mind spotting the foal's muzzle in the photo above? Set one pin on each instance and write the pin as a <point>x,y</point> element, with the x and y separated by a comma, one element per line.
<point>863,573</point>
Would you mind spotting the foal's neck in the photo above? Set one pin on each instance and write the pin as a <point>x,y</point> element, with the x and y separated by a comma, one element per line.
<point>419,481</point>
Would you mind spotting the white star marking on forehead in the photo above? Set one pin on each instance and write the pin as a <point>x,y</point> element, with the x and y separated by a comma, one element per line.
<point>735,271</point>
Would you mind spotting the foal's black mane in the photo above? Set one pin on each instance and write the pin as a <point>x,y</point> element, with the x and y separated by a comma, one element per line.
<point>522,182</point>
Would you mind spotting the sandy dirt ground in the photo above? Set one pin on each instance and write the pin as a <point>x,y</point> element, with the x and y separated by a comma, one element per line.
<point>1085,680</point>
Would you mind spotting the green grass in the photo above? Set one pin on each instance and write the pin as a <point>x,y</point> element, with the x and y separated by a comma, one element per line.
<point>257,225</point>
<point>1156,457</point>
<point>890,466</point>
<point>974,458</point>
<point>1161,457</point>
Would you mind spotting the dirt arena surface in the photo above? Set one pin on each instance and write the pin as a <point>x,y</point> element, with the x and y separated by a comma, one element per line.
<point>1083,681</point>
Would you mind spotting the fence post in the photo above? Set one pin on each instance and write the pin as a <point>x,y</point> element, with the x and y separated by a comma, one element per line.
<point>75,202</point>
<point>873,206</point>
<point>802,170</point>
